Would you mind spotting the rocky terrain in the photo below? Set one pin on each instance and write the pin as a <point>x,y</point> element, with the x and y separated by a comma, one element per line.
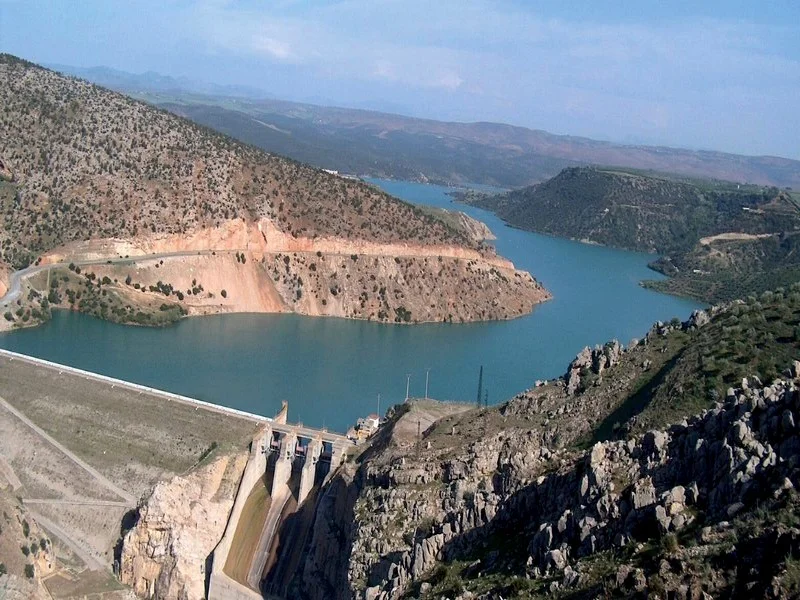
<point>507,503</point>
<point>88,175</point>
<point>718,240</point>
<point>164,556</point>
<point>667,466</point>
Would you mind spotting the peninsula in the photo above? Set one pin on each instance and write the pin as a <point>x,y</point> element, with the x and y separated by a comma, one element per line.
<point>135,215</point>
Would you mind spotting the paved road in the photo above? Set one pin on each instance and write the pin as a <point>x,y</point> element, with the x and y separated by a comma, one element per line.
<point>85,466</point>
<point>16,278</point>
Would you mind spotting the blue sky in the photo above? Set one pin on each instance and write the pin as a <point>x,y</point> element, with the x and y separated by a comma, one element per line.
<point>701,74</point>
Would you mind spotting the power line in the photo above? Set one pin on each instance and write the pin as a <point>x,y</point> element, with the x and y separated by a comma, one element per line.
<point>480,386</point>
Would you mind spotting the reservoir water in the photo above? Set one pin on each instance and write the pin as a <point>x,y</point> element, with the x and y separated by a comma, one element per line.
<point>332,370</point>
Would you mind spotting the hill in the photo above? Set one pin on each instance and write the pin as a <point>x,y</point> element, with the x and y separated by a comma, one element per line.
<point>90,176</point>
<point>668,466</point>
<point>720,240</point>
<point>399,147</point>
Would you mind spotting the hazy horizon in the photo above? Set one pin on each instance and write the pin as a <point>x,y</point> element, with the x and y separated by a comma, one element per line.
<point>721,76</point>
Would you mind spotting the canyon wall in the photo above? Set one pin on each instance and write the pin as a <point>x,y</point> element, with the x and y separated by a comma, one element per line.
<point>180,523</point>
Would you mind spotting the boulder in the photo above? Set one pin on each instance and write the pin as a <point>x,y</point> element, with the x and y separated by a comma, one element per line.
<point>643,493</point>
<point>555,559</point>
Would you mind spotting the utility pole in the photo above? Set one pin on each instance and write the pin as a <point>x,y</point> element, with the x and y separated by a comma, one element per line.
<point>419,435</point>
<point>408,384</point>
<point>480,386</point>
<point>379,408</point>
<point>427,374</point>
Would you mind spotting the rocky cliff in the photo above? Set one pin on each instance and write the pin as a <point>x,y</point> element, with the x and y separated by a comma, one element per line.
<point>521,500</point>
<point>656,466</point>
<point>164,555</point>
<point>258,268</point>
<point>683,488</point>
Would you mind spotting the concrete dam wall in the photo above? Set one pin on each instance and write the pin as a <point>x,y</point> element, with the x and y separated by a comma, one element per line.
<point>273,510</point>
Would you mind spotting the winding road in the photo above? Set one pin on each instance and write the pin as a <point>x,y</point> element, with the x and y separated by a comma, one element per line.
<point>17,277</point>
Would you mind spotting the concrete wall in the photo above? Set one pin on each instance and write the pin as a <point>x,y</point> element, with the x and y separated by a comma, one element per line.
<point>283,465</point>
<point>222,587</point>
<point>313,450</point>
<point>283,413</point>
<point>134,386</point>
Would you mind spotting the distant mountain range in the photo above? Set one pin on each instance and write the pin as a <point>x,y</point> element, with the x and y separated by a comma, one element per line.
<point>394,146</point>
<point>151,81</point>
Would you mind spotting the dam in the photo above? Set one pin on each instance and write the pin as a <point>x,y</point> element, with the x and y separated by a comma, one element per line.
<point>273,509</point>
<point>275,498</point>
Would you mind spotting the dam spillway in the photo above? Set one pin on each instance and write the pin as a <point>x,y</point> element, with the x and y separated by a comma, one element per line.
<point>286,466</point>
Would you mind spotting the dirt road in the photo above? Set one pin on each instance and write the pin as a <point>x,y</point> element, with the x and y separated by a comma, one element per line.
<point>85,466</point>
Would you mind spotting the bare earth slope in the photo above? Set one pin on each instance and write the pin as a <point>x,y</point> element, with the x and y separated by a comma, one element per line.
<point>87,170</point>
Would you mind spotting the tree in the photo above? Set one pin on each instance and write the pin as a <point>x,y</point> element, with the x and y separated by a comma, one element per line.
<point>29,571</point>
<point>224,293</point>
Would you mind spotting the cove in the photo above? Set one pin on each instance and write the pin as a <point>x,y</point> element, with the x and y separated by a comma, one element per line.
<point>332,370</point>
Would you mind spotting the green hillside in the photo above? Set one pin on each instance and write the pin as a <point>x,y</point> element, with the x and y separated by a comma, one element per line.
<point>717,240</point>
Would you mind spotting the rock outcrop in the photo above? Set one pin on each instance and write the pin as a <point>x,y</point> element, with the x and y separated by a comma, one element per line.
<point>477,230</point>
<point>591,363</point>
<point>710,467</point>
<point>510,493</point>
<point>164,555</point>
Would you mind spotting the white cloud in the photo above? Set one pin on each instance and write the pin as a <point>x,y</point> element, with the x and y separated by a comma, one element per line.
<point>451,81</point>
<point>271,47</point>
<point>494,59</point>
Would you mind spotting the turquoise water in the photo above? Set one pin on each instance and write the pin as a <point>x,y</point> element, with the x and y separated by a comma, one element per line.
<point>332,370</point>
